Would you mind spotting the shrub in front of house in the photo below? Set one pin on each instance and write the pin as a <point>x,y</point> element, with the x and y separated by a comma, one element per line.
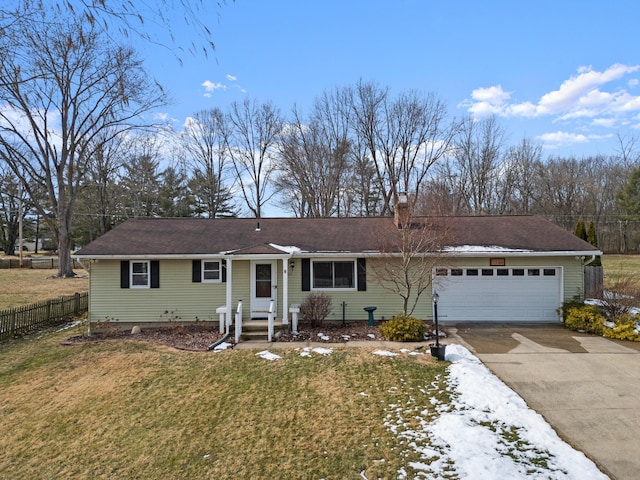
<point>403,328</point>
<point>625,328</point>
<point>566,306</point>
<point>586,318</point>
<point>315,308</point>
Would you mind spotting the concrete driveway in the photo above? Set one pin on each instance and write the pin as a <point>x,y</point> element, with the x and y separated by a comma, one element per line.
<point>586,387</point>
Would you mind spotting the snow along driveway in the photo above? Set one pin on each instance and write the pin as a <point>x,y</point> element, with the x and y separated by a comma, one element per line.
<point>485,432</point>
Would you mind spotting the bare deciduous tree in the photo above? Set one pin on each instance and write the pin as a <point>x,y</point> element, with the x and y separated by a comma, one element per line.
<point>478,150</point>
<point>73,86</point>
<point>315,157</point>
<point>410,252</point>
<point>254,132</point>
<point>205,139</point>
<point>521,162</point>
<point>405,136</point>
<point>127,19</point>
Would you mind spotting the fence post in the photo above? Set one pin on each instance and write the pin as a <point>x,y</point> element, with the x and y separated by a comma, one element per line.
<point>76,305</point>
<point>12,324</point>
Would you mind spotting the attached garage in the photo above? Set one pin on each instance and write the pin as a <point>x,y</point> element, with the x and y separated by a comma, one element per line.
<point>514,294</point>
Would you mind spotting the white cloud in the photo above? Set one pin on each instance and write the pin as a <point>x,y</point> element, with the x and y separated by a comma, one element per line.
<point>604,122</point>
<point>209,87</point>
<point>231,78</point>
<point>581,96</point>
<point>561,139</point>
<point>161,116</point>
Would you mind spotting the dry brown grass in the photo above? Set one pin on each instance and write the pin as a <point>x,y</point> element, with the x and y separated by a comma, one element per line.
<point>621,268</point>
<point>24,286</point>
<point>136,410</point>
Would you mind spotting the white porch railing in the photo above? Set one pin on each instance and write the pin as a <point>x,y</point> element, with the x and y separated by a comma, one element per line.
<point>271,318</point>
<point>294,310</point>
<point>238,321</point>
<point>222,312</point>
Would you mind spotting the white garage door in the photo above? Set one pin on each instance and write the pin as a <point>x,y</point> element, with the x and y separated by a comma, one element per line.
<point>498,294</point>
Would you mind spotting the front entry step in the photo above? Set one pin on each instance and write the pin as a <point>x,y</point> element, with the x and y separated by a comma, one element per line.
<point>258,330</point>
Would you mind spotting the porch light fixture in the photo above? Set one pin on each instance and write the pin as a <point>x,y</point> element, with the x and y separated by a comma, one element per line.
<point>292,264</point>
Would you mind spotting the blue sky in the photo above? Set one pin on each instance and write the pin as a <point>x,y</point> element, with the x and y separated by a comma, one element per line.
<point>564,73</point>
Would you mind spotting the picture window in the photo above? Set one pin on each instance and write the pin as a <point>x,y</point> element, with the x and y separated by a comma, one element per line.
<point>336,274</point>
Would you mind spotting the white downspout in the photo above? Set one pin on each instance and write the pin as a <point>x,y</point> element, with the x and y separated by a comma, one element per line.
<point>285,291</point>
<point>229,293</point>
<point>593,257</point>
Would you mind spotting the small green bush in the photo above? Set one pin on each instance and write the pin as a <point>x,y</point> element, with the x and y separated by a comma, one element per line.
<point>403,328</point>
<point>566,306</point>
<point>587,318</point>
<point>624,328</point>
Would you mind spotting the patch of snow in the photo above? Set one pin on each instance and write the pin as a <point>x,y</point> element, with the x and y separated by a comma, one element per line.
<point>484,249</point>
<point>69,325</point>
<point>324,337</point>
<point>222,346</point>
<point>307,351</point>
<point>385,353</point>
<point>371,335</point>
<point>267,355</point>
<point>286,249</point>
<point>346,338</point>
<point>486,431</point>
<point>322,351</point>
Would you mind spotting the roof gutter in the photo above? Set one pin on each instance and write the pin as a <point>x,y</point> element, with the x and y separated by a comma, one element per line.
<point>470,253</point>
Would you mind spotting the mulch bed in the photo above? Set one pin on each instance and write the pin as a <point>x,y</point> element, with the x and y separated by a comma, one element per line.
<point>199,338</point>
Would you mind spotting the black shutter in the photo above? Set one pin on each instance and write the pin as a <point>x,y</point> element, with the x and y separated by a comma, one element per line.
<point>362,274</point>
<point>196,271</point>
<point>306,274</point>
<point>155,274</point>
<point>124,274</point>
<point>223,267</point>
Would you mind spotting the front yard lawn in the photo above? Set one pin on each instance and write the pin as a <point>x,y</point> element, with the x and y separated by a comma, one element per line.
<point>117,409</point>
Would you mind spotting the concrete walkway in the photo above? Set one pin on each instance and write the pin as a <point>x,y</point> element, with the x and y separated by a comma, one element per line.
<point>586,387</point>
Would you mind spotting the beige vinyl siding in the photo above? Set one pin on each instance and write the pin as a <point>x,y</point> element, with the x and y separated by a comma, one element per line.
<point>387,304</point>
<point>177,299</point>
<point>241,278</point>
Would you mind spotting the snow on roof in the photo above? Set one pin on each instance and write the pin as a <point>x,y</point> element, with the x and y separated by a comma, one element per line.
<point>286,249</point>
<point>484,249</point>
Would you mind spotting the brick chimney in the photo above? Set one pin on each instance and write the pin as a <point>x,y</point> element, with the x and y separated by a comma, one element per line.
<point>401,211</point>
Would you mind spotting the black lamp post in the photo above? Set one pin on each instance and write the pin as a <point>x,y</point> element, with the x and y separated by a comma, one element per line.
<point>435,317</point>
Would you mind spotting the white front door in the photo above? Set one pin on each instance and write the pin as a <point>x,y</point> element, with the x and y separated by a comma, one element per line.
<point>263,287</point>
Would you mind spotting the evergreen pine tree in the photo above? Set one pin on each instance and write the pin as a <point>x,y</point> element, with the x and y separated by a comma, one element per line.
<point>580,230</point>
<point>592,238</point>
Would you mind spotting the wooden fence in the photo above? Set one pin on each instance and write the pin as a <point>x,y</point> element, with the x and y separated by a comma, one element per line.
<point>36,262</point>
<point>593,281</point>
<point>27,318</point>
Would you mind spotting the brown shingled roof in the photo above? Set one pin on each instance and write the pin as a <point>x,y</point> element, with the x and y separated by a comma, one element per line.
<point>193,236</point>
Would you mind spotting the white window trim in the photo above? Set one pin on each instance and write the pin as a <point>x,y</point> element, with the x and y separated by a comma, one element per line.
<point>202,271</point>
<point>335,289</point>
<point>131,274</point>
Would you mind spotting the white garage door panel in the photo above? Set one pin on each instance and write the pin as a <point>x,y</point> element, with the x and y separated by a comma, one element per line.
<point>510,298</point>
